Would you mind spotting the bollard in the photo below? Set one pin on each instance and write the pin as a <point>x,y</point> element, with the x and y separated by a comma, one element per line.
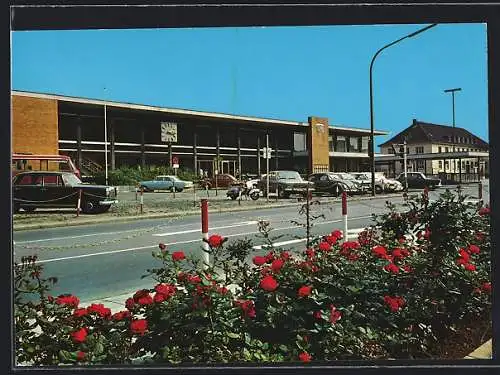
<point>480,190</point>
<point>79,205</point>
<point>136,189</point>
<point>204,232</point>
<point>194,193</point>
<point>142,200</point>
<point>344,213</point>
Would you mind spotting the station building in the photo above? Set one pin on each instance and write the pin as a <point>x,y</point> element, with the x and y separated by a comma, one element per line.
<point>97,132</point>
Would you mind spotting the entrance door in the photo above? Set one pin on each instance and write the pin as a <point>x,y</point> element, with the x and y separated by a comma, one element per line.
<point>228,166</point>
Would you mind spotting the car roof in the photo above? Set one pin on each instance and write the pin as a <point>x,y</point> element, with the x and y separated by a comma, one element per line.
<point>43,172</point>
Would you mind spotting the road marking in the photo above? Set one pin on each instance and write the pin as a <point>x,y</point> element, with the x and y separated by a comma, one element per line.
<point>199,229</point>
<point>351,233</point>
<point>257,247</point>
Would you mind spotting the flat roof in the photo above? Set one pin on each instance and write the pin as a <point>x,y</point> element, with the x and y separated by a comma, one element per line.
<point>179,111</point>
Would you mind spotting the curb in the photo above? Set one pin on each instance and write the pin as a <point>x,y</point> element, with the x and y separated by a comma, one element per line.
<point>483,352</point>
<point>124,219</point>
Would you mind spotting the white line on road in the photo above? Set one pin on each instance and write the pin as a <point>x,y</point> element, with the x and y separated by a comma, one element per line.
<point>199,229</point>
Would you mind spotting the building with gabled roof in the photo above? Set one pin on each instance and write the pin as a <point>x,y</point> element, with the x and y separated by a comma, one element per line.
<point>435,149</point>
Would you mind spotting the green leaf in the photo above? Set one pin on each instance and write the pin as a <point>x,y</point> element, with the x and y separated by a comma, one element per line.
<point>283,348</point>
<point>232,335</point>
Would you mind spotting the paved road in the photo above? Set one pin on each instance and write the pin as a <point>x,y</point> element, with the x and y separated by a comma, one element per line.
<point>97,261</point>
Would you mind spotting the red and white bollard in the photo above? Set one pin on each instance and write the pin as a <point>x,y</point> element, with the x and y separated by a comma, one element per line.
<point>480,191</point>
<point>79,205</point>
<point>204,232</point>
<point>344,214</point>
<point>142,200</point>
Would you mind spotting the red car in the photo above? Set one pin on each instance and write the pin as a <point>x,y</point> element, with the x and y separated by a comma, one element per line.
<point>224,180</point>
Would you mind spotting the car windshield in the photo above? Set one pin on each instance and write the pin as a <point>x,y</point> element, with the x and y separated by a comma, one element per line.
<point>70,179</point>
<point>289,175</point>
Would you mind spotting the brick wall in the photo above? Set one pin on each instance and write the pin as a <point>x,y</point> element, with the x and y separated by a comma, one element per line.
<point>34,125</point>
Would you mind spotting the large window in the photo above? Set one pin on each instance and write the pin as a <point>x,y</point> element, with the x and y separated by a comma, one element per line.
<point>299,141</point>
<point>340,144</point>
<point>353,144</point>
<point>364,144</point>
<point>419,150</point>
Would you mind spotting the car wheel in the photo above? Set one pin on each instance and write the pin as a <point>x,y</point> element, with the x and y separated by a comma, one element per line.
<point>178,190</point>
<point>378,189</point>
<point>281,193</point>
<point>145,189</point>
<point>90,207</point>
<point>233,197</point>
<point>29,209</point>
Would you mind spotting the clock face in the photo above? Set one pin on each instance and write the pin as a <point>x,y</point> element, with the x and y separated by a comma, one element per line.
<point>168,132</point>
<point>320,127</point>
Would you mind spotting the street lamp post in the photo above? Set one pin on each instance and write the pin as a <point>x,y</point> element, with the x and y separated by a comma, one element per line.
<point>372,129</point>
<point>453,112</point>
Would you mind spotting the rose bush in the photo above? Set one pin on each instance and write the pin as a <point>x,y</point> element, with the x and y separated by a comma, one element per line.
<point>404,285</point>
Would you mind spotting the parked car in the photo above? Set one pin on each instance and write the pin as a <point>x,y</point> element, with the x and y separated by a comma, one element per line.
<point>285,183</point>
<point>418,180</point>
<point>165,183</point>
<point>224,180</point>
<point>382,183</point>
<point>330,183</point>
<point>360,186</point>
<point>47,189</point>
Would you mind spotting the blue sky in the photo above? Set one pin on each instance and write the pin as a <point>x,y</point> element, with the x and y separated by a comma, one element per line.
<point>288,73</point>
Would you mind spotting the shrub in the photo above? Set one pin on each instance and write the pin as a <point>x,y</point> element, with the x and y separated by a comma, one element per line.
<point>392,293</point>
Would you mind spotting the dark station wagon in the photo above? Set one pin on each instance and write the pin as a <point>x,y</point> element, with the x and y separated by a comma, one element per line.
<point>47,189</point>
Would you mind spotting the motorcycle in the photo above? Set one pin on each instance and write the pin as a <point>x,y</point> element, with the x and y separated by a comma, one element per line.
<point>247,189</point>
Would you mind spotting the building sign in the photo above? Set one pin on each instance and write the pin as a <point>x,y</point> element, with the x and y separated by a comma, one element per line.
<point>168,131</point>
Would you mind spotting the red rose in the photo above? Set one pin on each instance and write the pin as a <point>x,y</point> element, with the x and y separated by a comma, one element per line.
<point>80,312</point>
<point>310,253</point>
<point>194,279</point>
<point>80,356</point>
<point>121,315</point>
<point>427,234</point>
<point>407,268</point>
<point>162,246</point>
<point>285,255</point>
<point>391,268</point>
<point>166,289</point>
<point>469,267</point>
<point>215,240</point>
<point>317,315</point>
<point>146,300</point>
<point>159,298</point>
<point>265,271</point>
<point>338,234</point>
<point>474,249</point>
<point>178,255</point>
<point>140,293</point>
<point>305,357</point>
<point>222,290</point>
<point>247,306</point>
<point>380,252</point>
<point>405,253</point>
<point>484,211</point>
<point>277,264</point>
<point>396,253</point>
<point>259,260</point>
<point>350,245</point>
<point>269,257</point>
<point>402,240</point>
<point>461,261</point>
<point>325,246</point>
<point>68,300</point>
<point>80,335</point>
<point>139,326</point>
<point>486,287</point>
<point>129,303</point>
<point>99,309</point>
<point>268,283</point>
<point>304,291</point>
<point>332,240</point>
<point>334,314</point>
<point>464,255</point>
<point>394,303</point>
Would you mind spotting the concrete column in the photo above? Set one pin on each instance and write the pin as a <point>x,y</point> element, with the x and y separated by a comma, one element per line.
<point>112,144</point>
<point>143,154</point>
<point>239,152</point>
<point>195,154</point>
<point>79,143</point>
<point>217,136</point>
<point>258,155</point>
<point>276,152</point>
